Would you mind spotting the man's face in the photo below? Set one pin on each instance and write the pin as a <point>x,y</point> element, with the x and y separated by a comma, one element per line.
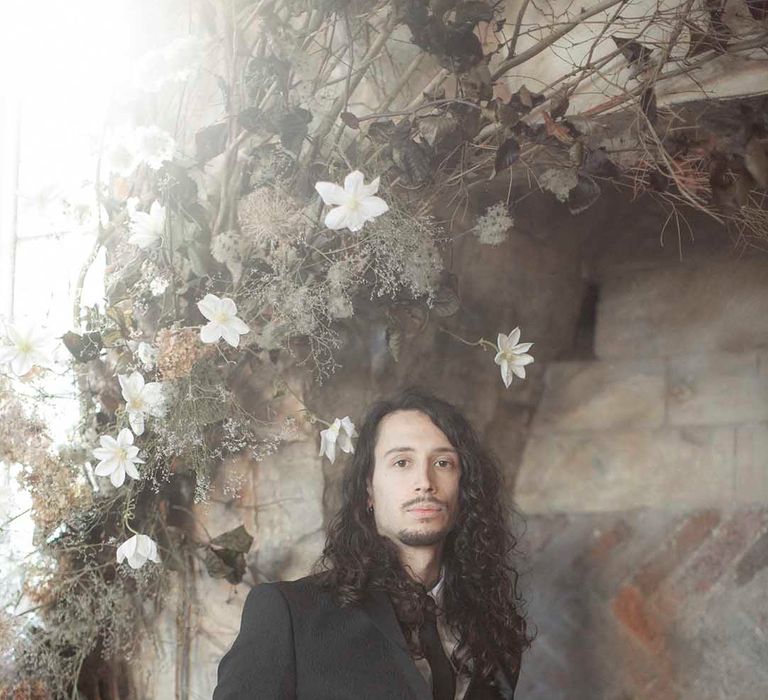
<point>414,489</point>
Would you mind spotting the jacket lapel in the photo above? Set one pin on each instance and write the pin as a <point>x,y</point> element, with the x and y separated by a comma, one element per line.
<point>379,608</point>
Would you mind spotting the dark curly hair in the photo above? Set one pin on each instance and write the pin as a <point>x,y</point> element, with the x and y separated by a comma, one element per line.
<point>481,599</point>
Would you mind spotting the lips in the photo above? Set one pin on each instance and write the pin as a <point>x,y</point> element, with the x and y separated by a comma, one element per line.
<point>424,510</point>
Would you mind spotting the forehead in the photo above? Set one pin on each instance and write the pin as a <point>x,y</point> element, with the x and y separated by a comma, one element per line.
<point>409,429</point>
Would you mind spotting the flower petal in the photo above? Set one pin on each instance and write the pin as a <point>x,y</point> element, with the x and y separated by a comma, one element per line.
<point>136,420</point>
<point>373,207</point>
<point>117,477</point>
<point>514,335</point>
<point>353,182</point>
<point>211,332</point>
<point>209,306</point>
<point>230,335</point>
<point>336,218</point>
<point>331,193</point>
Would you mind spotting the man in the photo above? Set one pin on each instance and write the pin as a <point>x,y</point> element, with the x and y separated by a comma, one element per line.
<point>415,596</point>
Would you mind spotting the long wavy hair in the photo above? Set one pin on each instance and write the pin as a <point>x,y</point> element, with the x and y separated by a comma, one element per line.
<point>481,601</point>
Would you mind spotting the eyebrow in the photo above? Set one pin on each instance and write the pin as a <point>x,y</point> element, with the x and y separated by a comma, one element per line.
<point>411,449</point>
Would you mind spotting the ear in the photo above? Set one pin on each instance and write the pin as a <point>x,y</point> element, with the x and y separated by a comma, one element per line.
<point>369,490</point>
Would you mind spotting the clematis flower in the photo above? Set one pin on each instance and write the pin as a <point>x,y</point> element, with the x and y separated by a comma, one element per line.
<point>511,356</point>
<point>147,228</point>
<point>141,399</point>
<point>24,346</point>
<point>223,322</point>
<point>339,433</point>
<point>153,146</point>
<point>118,457</point>
<point>138,550</point>
<point>353,204</point>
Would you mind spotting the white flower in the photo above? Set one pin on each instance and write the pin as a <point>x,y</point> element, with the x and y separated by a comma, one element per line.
<point>24,346</point>
<point>223,323</point>
<point>340,433</point>
<point>354,204</point>
<point>512,356</point>
<point>147,228</point>
<point>140,399</point>
<point>147,355</point>
<point>118,457</point>
<point>138,550</point>
<point>153,146</point>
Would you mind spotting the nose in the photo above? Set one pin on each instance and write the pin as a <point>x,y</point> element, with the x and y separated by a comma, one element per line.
<point>424,479</point>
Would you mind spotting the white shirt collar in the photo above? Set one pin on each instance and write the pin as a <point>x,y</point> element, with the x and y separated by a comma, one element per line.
<point>437,589</point>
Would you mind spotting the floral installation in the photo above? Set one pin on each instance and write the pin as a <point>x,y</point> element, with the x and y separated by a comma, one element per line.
<point>229,223</point>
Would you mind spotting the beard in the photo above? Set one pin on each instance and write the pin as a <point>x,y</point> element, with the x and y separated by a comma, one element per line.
<point>422,538</point>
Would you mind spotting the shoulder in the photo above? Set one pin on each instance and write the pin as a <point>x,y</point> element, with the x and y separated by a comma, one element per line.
<point>304,592</point>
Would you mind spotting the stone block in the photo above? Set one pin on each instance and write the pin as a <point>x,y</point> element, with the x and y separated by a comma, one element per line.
<point>716,389</point>
<point>290,485</point>
<point>683,310</point>
<point>606,471</point>
<point>602,395</point>
<point>751,473</point>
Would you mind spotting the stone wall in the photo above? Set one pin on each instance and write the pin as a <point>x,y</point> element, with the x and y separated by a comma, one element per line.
<point>645,478</point>
<point>635,450</point>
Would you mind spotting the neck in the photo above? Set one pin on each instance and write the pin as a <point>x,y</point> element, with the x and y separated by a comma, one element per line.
<point>422,564</point>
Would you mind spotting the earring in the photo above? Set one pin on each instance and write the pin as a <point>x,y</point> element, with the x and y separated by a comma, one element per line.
<point>370,510</point>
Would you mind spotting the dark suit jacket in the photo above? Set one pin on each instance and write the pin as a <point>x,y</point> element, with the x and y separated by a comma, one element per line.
<point>295,642</point>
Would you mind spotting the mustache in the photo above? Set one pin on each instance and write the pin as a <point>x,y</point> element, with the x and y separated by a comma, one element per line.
<point>422,502</point>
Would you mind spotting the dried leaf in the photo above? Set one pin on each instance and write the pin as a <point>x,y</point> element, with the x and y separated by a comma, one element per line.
<point>238,540</point>
<point>584,195</point>
<point>83,347</point>
<point>350,120</point>
<point>633,51</point>
<point>562,131</point>
<point>294,126</point>
<point>435,128</point>
<point>226,564</point>
<point>558,104</point>
<point>508,153</point>
<point>472,12</point>
<point>210,141</point>
<point>463,50</point>
<point>596,162</point>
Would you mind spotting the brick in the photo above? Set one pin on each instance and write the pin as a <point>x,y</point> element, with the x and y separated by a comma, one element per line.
<point>687,538</point>
<point>755,559</point>
<point>629,607</point>
<point>716,389</point>
<point>713,559</point>
<point>602,395</point>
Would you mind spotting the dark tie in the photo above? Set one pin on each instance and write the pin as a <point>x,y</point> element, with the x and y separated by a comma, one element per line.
<point>443,682</point>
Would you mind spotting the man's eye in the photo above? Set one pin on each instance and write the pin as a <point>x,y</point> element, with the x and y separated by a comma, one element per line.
<point>444,463</point>
<point>401,462</point>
